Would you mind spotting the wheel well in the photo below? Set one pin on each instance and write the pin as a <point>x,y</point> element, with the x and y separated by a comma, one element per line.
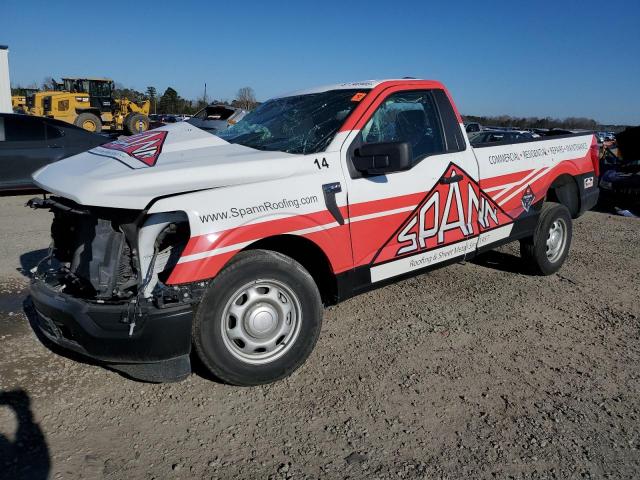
<point>564,190</point>
<point>307,254</point>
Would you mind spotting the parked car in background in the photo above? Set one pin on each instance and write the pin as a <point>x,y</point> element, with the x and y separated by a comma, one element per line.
<point>554,132</point>
<point>526,132</point>
<point>217,117</point>
<point>472,127</point>
<point>620,182</point>
<point>620,186</point>
<point>28,143</point>
<point>158,120</point>
<point>500,136</point>
<point>155,121</point>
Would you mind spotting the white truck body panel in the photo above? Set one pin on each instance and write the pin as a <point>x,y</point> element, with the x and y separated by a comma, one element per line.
<point>191,159</point>
<point>233,195</point>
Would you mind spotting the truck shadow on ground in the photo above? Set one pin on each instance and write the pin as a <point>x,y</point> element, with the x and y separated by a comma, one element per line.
<point>504,262</point>
<point>200,370</point>
<point>27,455</point>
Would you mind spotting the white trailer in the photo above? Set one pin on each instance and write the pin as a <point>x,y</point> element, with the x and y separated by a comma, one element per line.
<point>5,84</point>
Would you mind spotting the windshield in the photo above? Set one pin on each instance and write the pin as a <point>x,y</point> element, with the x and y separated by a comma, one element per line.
<point>298,124</point>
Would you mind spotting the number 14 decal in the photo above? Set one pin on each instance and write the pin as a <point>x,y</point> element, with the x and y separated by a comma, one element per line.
<point>322,165</point>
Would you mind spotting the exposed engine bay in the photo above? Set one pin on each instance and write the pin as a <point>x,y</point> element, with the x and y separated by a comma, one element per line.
<point>109,255</point>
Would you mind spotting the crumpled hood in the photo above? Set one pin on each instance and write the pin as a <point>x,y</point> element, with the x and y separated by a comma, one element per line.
<point>132,171</point>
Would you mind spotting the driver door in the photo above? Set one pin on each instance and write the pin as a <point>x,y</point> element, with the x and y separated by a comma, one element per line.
<point>408,220</point>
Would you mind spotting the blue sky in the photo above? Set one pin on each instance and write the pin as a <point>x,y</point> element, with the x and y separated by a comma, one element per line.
<point>542,58</point>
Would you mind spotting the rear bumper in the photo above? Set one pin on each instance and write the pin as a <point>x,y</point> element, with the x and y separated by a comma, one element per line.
<point>161,337</point>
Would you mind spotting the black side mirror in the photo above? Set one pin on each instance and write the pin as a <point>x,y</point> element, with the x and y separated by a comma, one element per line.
<point>383,158</point>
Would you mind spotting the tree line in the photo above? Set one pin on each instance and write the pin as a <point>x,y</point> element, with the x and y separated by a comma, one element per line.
<point>171,102</point>
<point>568,123</point>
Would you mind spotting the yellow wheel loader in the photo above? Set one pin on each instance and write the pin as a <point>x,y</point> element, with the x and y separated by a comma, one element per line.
<point>89,104</point>
<point>20,102</point>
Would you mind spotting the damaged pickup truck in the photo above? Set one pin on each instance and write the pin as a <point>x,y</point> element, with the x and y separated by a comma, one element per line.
<point>176,239</point>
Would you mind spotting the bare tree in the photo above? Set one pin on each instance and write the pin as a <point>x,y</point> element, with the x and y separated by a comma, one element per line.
<point>48,84</point>
<point>246,98</point>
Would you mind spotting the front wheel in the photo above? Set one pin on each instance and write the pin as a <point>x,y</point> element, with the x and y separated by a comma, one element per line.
<point>547,249</point>
<point>135,122</point>
<point>259,319</point>
<point>89,122</point>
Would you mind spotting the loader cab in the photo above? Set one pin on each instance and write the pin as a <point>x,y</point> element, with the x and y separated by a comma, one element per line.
<point>100,91</point>
<point>23,100</point>
<point>18,102</point>
<point>30,95</point>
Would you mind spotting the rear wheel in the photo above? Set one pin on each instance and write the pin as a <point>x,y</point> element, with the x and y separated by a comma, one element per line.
<point>136,123</point>
<point>547,249</point>
<point>259,319</point>
<point>89,121</point>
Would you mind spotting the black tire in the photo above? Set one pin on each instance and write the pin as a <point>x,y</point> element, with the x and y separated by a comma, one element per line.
<point>212,319</point>
<point>132,123</point>
<point>87,118</point>
<point>535,252</point>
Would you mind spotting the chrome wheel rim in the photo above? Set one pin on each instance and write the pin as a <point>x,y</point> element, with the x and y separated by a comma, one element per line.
<point>556,240</point>
<point>261,321</point>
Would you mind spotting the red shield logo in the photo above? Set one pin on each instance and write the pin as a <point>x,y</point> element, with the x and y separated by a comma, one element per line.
<point>454,210</point>
<point>145,146</point>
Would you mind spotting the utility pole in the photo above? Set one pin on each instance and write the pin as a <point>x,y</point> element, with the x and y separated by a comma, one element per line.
<point>205,93</point>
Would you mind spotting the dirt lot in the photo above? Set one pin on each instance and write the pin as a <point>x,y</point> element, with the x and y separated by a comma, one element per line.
<point>472,371</point>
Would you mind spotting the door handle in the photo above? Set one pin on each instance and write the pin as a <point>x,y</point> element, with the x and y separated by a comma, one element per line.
<point>329,191</point>
<point>451,179</point>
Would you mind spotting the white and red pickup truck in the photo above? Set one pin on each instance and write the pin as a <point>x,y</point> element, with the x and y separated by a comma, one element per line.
<point>231,244</point>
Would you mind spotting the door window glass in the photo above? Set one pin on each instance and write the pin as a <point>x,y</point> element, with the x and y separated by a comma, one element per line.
<point>407,117</point>
<point>496,137</point>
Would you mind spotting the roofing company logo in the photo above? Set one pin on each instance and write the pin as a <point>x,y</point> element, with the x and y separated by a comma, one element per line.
<point>527,198</point>
<point>454,210</point>
<point>145,147</point>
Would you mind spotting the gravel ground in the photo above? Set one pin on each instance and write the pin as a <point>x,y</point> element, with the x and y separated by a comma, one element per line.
<point>472,371</point>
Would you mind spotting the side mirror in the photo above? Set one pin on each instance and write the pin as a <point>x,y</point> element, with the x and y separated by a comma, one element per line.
<point>383,158</point>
